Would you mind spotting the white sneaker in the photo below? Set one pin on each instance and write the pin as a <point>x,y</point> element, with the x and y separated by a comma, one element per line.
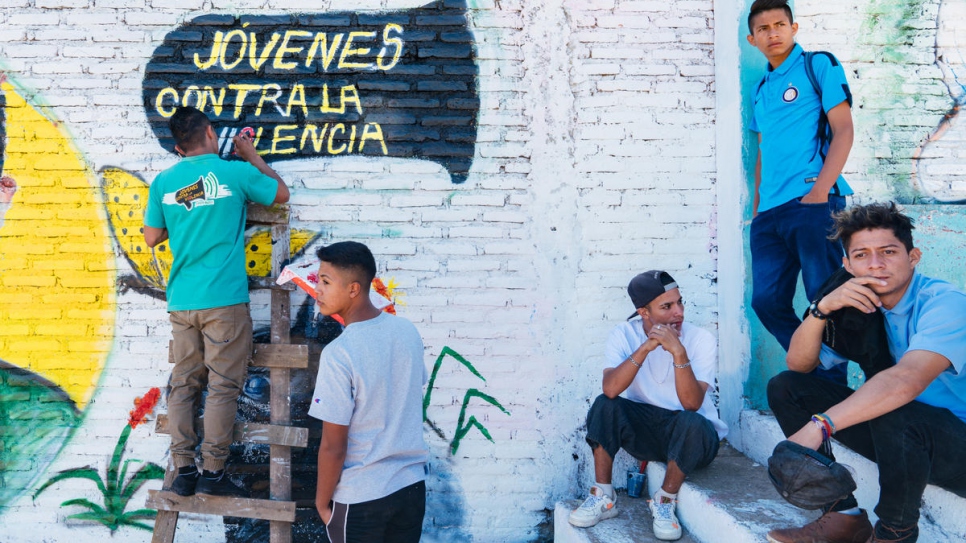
<point>597,507</point>
<point>666,525</point>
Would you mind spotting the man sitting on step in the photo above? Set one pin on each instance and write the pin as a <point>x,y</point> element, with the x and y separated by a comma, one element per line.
<point>909,418</point>
<point>655,404</point>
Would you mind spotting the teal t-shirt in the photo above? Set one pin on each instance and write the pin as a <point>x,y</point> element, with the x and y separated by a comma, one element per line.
<point>202,201</point>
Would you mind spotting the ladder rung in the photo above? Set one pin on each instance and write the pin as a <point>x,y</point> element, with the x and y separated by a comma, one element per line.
<point>259,214</point>
<point>222,506</point>
<point>252,432</point>
<point>268,283</point>
<point>270,355</point>
<point>280,355</point>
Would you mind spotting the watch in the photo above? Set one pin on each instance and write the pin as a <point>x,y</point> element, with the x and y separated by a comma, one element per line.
<point>815,311</point>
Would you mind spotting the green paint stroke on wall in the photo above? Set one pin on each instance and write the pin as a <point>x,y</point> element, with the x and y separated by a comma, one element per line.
<point>35,421</point>
<point>898,37</point>
<point>463,426</point>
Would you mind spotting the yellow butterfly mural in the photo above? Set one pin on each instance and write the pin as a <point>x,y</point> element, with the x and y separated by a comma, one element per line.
<point>125,197</point>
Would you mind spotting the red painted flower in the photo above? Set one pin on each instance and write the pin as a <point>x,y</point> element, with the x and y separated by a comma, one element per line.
<point>143,406</point>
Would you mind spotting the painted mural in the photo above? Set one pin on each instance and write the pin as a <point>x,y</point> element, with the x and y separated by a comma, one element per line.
<point>939,172</point>
<point>57,290</point>
<point>463,425</point>
<point>400,84</point>
<point>116,487</point>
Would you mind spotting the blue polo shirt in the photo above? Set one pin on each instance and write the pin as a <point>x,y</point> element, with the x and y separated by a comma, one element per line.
<point>931,316</point>
<point>786,115</point>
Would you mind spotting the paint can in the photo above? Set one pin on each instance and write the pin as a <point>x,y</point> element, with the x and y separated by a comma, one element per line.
<point>636,482</point>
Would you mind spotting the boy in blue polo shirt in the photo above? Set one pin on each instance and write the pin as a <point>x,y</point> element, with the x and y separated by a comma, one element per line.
<point>798,181</point>
<point>910,419</point>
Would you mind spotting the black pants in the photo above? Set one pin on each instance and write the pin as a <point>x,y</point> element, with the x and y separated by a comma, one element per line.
<point>396,518</point>
<point>914,445</point>
<point>648,432</point>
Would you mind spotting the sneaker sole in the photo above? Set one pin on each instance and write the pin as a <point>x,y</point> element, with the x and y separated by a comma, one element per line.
<point>668,536</point>
<point>604,515</point>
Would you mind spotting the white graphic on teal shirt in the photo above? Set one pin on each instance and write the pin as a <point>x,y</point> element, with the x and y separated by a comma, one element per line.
<point>202,192</point>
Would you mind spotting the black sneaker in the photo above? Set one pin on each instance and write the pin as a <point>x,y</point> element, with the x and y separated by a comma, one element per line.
<point>220,486</point>
<point>184,484</point>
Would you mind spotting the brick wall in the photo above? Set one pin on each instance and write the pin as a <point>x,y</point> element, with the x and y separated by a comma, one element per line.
<point>593,160</point>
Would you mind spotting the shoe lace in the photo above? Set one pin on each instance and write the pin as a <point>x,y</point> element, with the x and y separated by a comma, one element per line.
<point>894,534</point>
<point>591,502</point>
<point>664,510</point>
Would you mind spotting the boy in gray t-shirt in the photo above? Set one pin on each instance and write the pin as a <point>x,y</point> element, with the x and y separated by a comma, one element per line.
<point>368,394</point>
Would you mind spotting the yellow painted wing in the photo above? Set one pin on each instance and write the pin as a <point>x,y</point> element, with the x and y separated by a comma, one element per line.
<point>258,248</point>
<point>126,196</point>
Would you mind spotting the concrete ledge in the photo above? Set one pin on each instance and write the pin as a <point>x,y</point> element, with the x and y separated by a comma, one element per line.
<point>731,500</point>
<point>943,513</point>
<point>631,525</point>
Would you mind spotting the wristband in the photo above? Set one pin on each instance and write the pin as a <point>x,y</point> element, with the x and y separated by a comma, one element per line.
<point>635,364</point>
<point>825,424</point>
<point>816,312</point>
<point>682,366</point>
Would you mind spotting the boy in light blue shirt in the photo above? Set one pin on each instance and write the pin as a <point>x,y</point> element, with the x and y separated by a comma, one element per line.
<point>910,419</point>
<point>798,181</point>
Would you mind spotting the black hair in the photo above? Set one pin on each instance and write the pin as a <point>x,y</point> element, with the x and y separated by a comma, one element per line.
<point>351,256</point>
<point>188,127</point>
<point>760,6</point>
<point>870,217</point>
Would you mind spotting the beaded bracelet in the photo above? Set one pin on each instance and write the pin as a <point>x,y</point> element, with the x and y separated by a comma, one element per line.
<point>825,424</point>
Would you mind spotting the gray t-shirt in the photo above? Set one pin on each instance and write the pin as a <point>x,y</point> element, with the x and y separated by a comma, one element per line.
<point>371,379</point>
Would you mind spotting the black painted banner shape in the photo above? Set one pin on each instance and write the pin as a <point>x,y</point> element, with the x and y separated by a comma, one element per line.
<point>396,83</point>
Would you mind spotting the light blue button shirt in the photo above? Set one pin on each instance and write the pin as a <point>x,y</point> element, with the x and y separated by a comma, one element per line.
<point>786,114</point>
<point>931,316</point>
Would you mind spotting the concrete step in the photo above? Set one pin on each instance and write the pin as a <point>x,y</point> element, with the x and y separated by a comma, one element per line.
<point>943,513</point>
<point>731,500</point>
<point>631,525</point>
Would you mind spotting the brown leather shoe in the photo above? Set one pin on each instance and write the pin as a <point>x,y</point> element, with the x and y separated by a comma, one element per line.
<point>829,528</point>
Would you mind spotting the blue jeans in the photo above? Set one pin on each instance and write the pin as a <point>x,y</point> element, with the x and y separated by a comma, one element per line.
<point>913,445</point>
<point>786,240</point>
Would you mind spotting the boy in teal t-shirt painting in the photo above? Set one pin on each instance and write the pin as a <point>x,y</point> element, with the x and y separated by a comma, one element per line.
<point>200,205</point>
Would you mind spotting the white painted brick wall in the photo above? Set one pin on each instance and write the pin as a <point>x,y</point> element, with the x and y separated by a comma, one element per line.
<point>595,160</point>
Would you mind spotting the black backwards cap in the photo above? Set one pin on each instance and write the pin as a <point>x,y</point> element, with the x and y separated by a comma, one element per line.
<point>649,285</point>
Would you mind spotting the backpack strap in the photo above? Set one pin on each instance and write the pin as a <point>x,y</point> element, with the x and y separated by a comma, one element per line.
<point>824,132</point>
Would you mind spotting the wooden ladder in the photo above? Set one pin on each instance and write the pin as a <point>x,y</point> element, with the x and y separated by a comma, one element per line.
<point>280,357</point>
